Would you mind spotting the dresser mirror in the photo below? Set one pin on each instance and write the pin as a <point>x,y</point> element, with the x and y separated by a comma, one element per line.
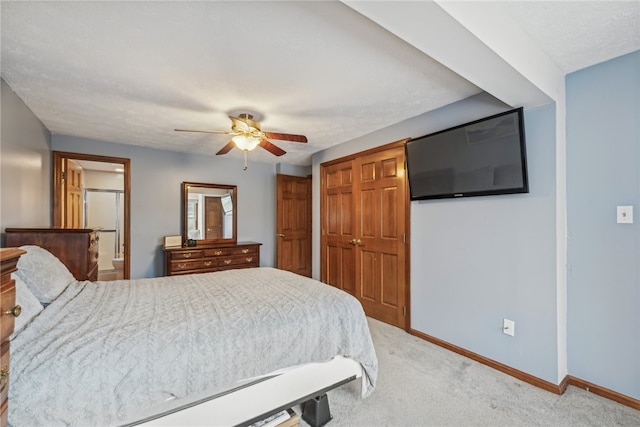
<point>209,213</point>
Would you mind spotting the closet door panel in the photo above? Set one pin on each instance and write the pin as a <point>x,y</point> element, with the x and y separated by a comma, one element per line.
<point>338,227</point>
<point>368,276</point>
<point>380,190</point>
<point>390,283</point>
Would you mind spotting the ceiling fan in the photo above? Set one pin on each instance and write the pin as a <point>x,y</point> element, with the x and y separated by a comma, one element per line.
<point>247,135</point>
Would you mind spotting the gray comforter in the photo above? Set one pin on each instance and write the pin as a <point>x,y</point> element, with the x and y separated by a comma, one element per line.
<point>104,353</point>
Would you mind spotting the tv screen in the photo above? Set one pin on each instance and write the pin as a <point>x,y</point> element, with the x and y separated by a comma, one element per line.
<point>479,158</point>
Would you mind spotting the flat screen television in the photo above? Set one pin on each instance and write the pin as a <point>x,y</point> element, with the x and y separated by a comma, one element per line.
<point>480,158</point>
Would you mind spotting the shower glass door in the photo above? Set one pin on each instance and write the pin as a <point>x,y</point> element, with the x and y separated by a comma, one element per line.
<point>104,210</point>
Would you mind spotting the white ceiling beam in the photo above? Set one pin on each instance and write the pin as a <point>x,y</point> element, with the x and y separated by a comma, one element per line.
<point>476,40</point>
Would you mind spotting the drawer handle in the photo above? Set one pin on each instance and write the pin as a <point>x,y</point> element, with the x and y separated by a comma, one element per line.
<point>207,263</point>
<point>227,261</point>
<point>183,265</point>
<point>217,253</point>
<point>4,376</point>
<point>15,312</point>
<point>245,251</point>
<point>249,259</point>
<point>187,255</point>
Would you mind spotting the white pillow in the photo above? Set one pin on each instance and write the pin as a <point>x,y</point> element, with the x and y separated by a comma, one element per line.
<point>44,274</point>
<point>28,302</point>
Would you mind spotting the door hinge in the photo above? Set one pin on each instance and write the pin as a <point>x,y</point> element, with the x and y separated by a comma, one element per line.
<point>64,176</point>
<point>404,310</point>
<point>404,237</point>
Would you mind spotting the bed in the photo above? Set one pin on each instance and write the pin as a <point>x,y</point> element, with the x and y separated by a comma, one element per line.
<point>121,352</point>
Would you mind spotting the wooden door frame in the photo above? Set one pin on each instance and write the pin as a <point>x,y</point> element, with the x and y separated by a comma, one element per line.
<point>57,157</point>
<point>407,213</point>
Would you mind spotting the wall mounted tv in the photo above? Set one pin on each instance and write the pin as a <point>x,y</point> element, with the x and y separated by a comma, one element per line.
<point>480,158</point>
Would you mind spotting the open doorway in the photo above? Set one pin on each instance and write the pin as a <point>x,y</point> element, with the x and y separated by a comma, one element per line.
<point>91,191</point>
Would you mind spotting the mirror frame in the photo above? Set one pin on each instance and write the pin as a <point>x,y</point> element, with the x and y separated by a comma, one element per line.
<point>185,198</point>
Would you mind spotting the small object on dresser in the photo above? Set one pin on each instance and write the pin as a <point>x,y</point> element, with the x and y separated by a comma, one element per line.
<point>172,241</point>
<point>191,242</point>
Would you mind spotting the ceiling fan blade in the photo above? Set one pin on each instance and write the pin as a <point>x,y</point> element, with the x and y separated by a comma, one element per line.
<point>203,131</point>
<point>285,137</point>
<point>226,148</point>
<point>273,149</point>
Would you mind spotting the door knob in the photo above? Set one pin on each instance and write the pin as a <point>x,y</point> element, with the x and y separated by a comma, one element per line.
<point>352,242</point>
<point>280,235</point>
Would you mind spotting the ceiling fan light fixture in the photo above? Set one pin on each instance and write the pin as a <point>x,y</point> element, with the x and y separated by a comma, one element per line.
<point>245,143</point>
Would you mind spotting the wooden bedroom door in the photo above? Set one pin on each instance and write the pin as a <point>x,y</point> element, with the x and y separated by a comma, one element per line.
<point>73,200</point>
<point>294,224</point>
<point>213,218</point>
<point>364,230</point>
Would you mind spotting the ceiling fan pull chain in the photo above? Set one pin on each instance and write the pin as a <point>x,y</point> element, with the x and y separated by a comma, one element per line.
<point>245,160</point>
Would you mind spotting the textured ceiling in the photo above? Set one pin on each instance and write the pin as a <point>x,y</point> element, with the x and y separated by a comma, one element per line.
<point>131,72</point>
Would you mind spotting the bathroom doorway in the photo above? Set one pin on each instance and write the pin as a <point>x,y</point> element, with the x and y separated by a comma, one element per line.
<point>92,191</point>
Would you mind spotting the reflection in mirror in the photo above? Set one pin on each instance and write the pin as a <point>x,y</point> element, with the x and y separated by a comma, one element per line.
<point>209,212</point>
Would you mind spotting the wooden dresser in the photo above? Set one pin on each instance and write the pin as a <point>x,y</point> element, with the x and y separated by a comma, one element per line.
<point>77,248</point>
<point>8,311</point>
<point>202,259</point>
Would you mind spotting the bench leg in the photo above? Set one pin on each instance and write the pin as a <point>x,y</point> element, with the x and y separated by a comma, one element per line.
<point>316,411</point>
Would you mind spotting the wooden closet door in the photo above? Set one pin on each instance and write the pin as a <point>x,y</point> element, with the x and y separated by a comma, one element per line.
<point>363,240</point>
<point>380,245</point>
<point>338,227</point>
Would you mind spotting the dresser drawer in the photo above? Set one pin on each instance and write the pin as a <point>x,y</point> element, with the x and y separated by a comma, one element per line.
<point>238,260</point>
<point>94,239</point>
<point>217,252</point>
<point>4,371</point>
<point>92,258</point>
<point>202,264</point>
<point>246,250</point>
<point>187,255</point>
<point>7,303</point>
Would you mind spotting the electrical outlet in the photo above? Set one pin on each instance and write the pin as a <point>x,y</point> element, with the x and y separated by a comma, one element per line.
<point>508,327</point>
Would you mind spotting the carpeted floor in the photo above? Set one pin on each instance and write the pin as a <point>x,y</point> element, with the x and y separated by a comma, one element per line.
<point>421,384</point>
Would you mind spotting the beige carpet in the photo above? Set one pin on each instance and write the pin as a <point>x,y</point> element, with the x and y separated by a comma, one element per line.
<point>421,384</point>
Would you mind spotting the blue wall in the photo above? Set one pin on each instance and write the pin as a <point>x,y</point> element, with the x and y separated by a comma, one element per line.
<point>156,198</point>
<point>603,171</point>
<point>25,165</point>
<point>477,260</point>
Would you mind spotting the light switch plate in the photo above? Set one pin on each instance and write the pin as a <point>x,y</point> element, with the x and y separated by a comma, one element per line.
<point>508,327</point>
<point>624,214</point>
